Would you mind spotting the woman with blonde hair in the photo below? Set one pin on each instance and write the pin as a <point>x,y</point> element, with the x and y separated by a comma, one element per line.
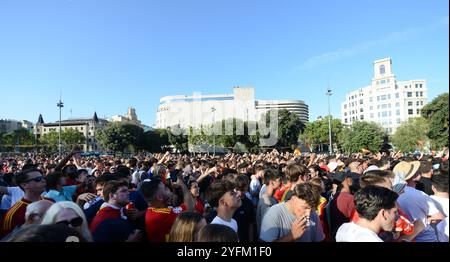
<point>186,227</point>
<point>70,214</point>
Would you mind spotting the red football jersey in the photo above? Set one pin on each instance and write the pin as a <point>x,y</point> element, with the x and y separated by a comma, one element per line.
<point>159,221</point>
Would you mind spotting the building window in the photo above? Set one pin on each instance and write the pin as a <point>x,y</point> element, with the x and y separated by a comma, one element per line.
<point>417,94</point>
<point>382,81</point>
<point>418,111</point>
<point>81,128</point>
<point>378,98</point>
<point>361,117</point>
<point>371,115</point>
<point>410,103</point>
<point>397,104</point>
<point>417,85</point>
<point>397,112</point>
<point>420,85</point>
<point>410,111</point>
<point>382,70</point>
<point>371,108</point>
<point>421,94</point>
<point>361,102</point>
<point>409,94</point>
<point>345,120</point>
<point>398,121</point>
<point>384,113</point>
<point>397,95</point>
<point>406,86</point>
<point>383,97</point>
<point>345,106</point>
<point>345,113</point>
<point>370,99</point>
<point>396,86</point>
<point>389,96</point>
<point>361,110</point>
<point>421,103</point>
<point>417,103</point>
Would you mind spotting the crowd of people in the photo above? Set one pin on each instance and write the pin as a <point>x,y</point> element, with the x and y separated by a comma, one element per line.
<point>268,197</point>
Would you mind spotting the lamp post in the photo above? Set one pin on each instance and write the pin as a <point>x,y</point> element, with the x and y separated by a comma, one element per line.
<point>213,110</point>
<point>329,119</point>
<point>60,105</point>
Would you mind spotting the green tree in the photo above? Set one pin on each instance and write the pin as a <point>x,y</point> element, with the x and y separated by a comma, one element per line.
<point>177,138</point>
<point>362,135</point>
<point>121,137</point>
<point>411,135</point>
<point>289,128</point>
<point>436,113</point>
<point>154,141</point>
<point>50,140</point>
<point>72,137</point>
<point>316,133</point>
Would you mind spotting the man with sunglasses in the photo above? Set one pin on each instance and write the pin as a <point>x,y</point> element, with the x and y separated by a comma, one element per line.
<point>32,182</point>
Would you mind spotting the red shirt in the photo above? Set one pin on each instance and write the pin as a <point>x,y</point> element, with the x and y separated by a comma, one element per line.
<point>279,193</point>
<point>15,216</point>
<point>159,221</point>
<point>199,206</point>
<point>103,214</point>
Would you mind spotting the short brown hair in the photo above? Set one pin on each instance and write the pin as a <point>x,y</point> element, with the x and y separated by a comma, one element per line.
<point>371,179</point>
<point>308,193</point>
<point>111,187</point>
<point>294,171</point>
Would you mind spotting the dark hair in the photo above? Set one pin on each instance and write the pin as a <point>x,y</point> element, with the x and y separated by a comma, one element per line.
<point>216,191</point>
<point>242,182</point>
<point>72,175</point>
<point>104,178</point>
<point>111,187</point>
<point>370,179</point>
<point>371,199</point>
<point>122,171</point>
<point>294,171</point>
<point>270,175</point>
<point>8,178</point>
<point>381,173</point>
<point>440,182</point>
<point>217,233</point>
<point>29,166</point>
<point>53,180</point>
<point>47,233</point>
<point>309,193</point>
<point>425,167</point>
<point>149,189</point>
<point>81,171</point>
<point>22,177</point>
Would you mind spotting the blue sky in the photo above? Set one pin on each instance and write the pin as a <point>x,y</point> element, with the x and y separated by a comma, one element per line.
<point>106,55</point>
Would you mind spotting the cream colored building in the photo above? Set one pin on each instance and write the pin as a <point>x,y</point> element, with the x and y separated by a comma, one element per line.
<point>89,127</point>
<point>385,101</point>
<point>129,118</point>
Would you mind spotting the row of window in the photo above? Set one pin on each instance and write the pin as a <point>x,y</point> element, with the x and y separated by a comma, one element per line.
<point>354,118</point>
<point>418,94</point>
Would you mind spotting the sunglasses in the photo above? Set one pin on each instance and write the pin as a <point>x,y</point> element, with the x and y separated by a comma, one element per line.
<point>78,221</point>
<point>35,179</point>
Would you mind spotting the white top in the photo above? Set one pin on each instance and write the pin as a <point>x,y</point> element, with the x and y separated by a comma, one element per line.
<point>263,190</point>
<point>15,193</point>
<point>441,203</point>
<point>255,185</point>
<point>418,206</point>
<point>220,221</point>
<point>351,232</point>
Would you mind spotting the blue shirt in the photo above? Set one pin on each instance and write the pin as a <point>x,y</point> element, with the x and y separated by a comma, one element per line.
<point>65,195</point>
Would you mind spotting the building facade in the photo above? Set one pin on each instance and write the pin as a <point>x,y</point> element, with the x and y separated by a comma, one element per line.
<point>89,127</point>
<point>8,125</point>
<point>385,101</point>
<point>196,110</point>
<point>129,118</point>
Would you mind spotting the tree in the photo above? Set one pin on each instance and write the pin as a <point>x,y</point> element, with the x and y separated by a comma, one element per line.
<point>69,137</point>
<point>154,141</point>
<point>411,135</point>
<point>177,139</point>
<point>362,135</point>
<point>289,128</point>
<point>317,133</point>
<point>119,137</point>
<point>436,113</point>
<point>19,137</point>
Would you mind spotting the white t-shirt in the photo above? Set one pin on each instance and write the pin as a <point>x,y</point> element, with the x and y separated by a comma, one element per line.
<point>220,221</point>
<point>351,232</point>
<point>418,205</point>
<point>262,191</point>
<point>15,193</point>
<point>255,185</point>
<point>441,203</point>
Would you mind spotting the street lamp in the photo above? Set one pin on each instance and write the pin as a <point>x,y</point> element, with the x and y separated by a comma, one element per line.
<point>60,105</point>
<point>213,110</point>
<point>329,119</point>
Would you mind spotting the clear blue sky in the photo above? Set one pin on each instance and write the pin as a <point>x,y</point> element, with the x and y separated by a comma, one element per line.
<point>106,55</point>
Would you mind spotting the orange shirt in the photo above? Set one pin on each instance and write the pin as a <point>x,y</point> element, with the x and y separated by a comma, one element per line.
<point>159,221</point>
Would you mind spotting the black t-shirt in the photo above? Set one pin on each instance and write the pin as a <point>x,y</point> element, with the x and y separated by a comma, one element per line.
<point>424,185</point>
<point>244,216</point>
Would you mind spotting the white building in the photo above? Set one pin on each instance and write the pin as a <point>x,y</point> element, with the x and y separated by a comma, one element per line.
<point>9,125</point>
<point>197,110</point>
<point>386,101</point>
